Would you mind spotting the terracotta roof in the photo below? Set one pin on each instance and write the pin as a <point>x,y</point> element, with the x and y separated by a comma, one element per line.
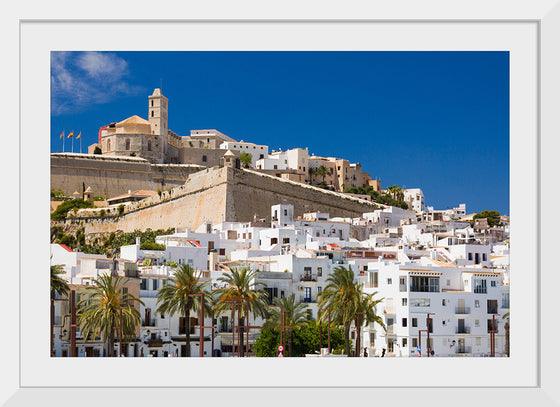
<point>442,263</point>
<point>139,192</point>
<point>65,247</point>
<point>133,120</point>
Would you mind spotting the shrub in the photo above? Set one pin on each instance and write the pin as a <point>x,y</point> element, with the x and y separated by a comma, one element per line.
<point>120,209</point>
<point>74,204</point>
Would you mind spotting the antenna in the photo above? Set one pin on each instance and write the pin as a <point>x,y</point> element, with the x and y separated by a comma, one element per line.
<point>161,85</point>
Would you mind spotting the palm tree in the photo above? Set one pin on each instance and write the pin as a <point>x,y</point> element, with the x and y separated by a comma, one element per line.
<point>295,317</point>
<point>323,171</point>
<point>58,284</point>
<point>340,297</point>
<point>365,313</point>
<point>175,296</point>
<point>102,306</point>
<point>242,288</point>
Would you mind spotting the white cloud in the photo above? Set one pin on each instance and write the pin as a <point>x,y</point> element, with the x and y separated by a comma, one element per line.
<point>82,79</point>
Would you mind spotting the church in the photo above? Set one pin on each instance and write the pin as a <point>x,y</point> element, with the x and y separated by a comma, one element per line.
<point>152,140</point>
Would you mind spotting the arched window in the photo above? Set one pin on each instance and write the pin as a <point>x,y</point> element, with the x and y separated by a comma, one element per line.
<point>152,113</point>
<point>152,103</point>
<point>127,144</point>
<point>150,144</point>
<point>108,144</point>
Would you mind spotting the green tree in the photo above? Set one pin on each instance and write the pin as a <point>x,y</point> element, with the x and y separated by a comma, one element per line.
<point>246,159</point>
<point>58,284</point>
<point>240,286</point>
<point>323,171</point>
<point>366,305</point>
<point>493,217</point>
<point>97,150</point>
<point>175,297</point>
<point>100,310</point>
<point>62,210</point>
<point>295,317</point>
<point>340,297</point>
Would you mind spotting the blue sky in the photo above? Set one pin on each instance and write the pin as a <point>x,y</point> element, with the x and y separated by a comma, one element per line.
<point>438,121</point>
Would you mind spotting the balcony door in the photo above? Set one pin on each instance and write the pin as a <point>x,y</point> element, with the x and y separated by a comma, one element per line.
<point>461,345</point>
<point>307,297</point>
<point>461,306</point>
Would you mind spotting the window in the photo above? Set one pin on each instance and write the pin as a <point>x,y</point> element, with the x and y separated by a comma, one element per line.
<point>491,326</point>
<point>222,252</point>
<point>143,284</point>
<point>414,322</point>
<point>424,284</point>
<point>476,303</point>
<point>152,113</point>
<point>285,212</point>
<point>443,302</point>
<point>404,302</point>
<point>404,342</point>
<point>319,290</point>
<point>204,159</point>
<point>274,240</point>
<point>109,145</point>
<point>419,302</point>
<point>162,317</point>
<point>284,240</point>
<point>483,256</point>
<point>402,280</point>
<point>492,306</point>
<point>154,284</point>
<point>149,145</point>
<point>319,271</point>
<point>389,281</point>
<point>404,322</point>
<point>414,342</point>
<point>127,144</point>
<point>469,257</point>
<point>448,282</point>
<point>480,286</point>
<point>505,300</point>
<point>493,283</point>
<point>477,322</point>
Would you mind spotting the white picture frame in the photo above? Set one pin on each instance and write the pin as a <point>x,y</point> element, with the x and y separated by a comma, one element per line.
<point>541,168</point>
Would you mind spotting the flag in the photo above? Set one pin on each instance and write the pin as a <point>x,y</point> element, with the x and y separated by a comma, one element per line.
<point>79,135</point>
<point>71,134</point>
<point>62,134</point>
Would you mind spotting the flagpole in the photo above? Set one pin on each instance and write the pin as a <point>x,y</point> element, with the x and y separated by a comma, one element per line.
<point>63,136</point>
<point>72,143</point>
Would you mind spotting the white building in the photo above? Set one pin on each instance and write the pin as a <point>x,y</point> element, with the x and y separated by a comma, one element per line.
<point>257,151</point>
<point>459,302</point>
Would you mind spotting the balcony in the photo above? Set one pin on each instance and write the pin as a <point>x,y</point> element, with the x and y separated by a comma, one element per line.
<point>307,300</point>
<point>463,310</point>
<point>463,331</point>
<point>464,350</point>
<point>309,277</point>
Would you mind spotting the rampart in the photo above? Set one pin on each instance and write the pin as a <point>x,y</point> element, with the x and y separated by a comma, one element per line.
<point>217,195</point>
<point>110,176</point>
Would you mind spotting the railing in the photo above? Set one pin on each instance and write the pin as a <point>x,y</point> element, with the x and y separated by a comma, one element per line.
<point>307,300</point>
<point>308,277</point>
<point>150,322</point>
<point>464,349</point>
<point>462,310</point>
<point>464,330</point>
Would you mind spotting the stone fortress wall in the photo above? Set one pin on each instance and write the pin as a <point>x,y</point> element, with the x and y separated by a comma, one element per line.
<point>217,195</point>
<point>110,176</point>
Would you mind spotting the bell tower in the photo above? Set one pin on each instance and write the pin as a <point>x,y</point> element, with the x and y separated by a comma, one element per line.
<point>157,116</point>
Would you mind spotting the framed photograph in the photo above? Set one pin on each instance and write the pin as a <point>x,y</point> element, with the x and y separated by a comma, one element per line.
<point>529,34</point>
